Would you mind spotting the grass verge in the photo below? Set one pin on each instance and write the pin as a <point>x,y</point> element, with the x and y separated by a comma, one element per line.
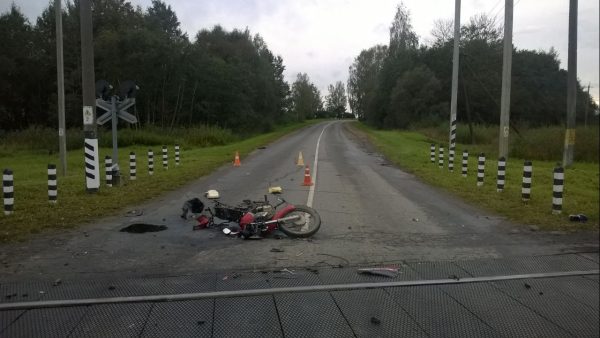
<point>33,213</point>
<point>410,151</point>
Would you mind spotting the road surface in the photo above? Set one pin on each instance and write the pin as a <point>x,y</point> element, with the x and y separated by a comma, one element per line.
<point>373,214</point>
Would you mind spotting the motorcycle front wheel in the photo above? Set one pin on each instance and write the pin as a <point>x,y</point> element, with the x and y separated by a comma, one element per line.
<point>306,225</point>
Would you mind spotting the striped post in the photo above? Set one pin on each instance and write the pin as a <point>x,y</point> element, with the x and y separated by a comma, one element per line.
<point>480,169</point>
<point>52,186</point>
<point>177,154</point>
<point>441,157</point>
<point>9,191</point>
<point>150,162</point>
<point>451,159</point>
<point>465,163</point>
<point>92,165</point>
<point>432,152</point>
<point>452,145</point>
<point>165,157</point>
<point>557,190</point>
<point>108,171</point>
<point>501,174</point>
<point>132,166</point>
<point>526,188</point>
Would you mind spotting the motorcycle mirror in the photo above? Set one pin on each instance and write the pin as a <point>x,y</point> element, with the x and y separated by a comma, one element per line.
<point>226,231</point>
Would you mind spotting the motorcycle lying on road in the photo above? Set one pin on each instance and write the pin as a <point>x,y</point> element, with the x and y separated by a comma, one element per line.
<point>256,219</point>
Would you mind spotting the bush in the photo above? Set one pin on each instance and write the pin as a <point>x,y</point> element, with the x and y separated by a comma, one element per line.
<point>544,143</point>
<point>45,140</point>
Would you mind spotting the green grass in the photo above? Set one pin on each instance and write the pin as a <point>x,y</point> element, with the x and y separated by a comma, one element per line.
<point>33,213</point>
<point>543,143</point>
<point>410,151</point>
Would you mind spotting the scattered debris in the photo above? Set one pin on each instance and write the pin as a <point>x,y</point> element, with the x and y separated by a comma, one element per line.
<point>387,272</point>
<point>57,282</point>
<point>277,250</point>
<point>315,271</point>
<point>300,254</point>
<point>349,228</point>
<point>201,322</point>
<point>334,256</point>
<point>233,276</point>
<point>134,213</point>
<point>375,320</point>
<point>455,277</point>
<point>578,218</point>
<point>140,228</point>
<point>541,293</point>
<point>288,271</point>
<point>111,287</point>
<point>25,295</point>
<point>263,147</point>
<point>534,228</point>
<point>415,219</point>
<point>527,286</point>
<point>85,234</point>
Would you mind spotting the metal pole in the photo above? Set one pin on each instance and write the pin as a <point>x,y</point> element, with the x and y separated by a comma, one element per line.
<point>89,101</point>
<point>116,178</point>
<point>506,79</point>
<point>587,104</point>
<point>454,94</point>
<point>60,81</point>
<point>571,86</point>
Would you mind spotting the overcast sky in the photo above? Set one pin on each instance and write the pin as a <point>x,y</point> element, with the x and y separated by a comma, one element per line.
<point>322,37</point>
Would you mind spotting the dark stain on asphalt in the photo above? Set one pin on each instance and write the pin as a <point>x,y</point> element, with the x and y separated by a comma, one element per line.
<point>140,228</point>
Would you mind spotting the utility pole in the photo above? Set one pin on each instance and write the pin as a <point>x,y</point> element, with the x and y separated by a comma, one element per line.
<point>506,80</point>
<point>571,85</point>
<point>92,170</point>
<point>587,105</point>
<point>454,94</point>
<point>60,81</point>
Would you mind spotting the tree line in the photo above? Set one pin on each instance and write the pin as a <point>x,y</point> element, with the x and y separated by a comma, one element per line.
<point>225,78</point>
<point>408,83</point>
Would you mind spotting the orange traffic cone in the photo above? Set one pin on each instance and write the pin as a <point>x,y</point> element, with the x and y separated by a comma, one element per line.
<point>300,161</point>
<point>307,178</point>
<point>236,161</point>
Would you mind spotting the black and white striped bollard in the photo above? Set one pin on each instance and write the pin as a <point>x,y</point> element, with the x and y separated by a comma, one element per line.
<point>557,190</point>
<point>526,187</point>
<point>52,186</point>
<point>432,153</point>
<point>177,154</point>
<point>9,191</point>
<point>480,169</point>
<point>150,162</point>
<point>501,174</point>
<point>165,158</point>
<point>441,157</point>
<point>465,163</point>
<point>108,171</point>
<point>132,166</point>
<point>451,159</point>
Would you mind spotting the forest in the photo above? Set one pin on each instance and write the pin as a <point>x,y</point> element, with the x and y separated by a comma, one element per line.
<point>232,80</point>
<point>408,82</point>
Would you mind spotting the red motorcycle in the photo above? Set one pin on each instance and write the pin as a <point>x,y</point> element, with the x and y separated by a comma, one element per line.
<point>257,219</point>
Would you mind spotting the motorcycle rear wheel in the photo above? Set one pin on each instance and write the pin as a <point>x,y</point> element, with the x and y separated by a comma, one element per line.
<point>307,225</point>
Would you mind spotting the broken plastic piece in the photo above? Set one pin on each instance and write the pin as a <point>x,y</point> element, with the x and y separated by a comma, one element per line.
<point>275,190</point>
<point>387,272</point>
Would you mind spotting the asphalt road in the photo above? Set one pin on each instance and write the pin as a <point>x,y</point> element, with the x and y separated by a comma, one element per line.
<point>372,213</point>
